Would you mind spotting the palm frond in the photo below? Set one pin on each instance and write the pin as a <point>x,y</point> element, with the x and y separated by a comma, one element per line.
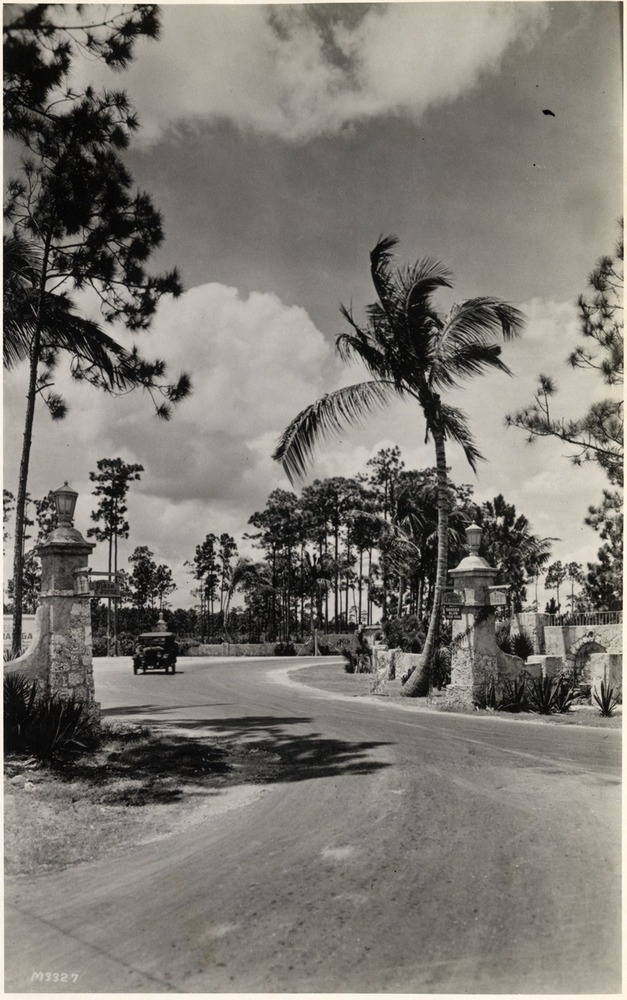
<point>82,338</point>
<point>464,362</point>
<point>480,319</point>
<point>421,281</point>
<point>21,266</point>
<point>349,346</point>
<point>455,425</point>
<point>389,289</point>
<point>328,416</point>
<point>465,344</point>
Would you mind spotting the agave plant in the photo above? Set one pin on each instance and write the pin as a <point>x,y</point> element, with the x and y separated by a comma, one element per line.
<point>45,726</point>
<point>515,696</point>
<point>19,701</point>
<point>490,697</point>
<point>607,700</point>
<point>548,696</point>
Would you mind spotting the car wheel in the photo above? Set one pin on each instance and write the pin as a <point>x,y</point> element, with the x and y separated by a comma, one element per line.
<point>135,668</point>
<point>173,668</point>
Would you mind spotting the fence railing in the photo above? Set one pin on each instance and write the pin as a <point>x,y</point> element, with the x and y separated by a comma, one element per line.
<point>587,618</point>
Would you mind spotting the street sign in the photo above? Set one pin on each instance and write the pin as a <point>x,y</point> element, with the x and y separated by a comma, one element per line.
<point>497,598</point>
<point>452,614</point>
<point>105,588</point>
<point>452,597</point>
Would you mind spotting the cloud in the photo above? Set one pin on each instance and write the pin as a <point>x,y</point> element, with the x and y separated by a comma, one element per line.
<point>256,363</point>
<point>253,361</point>
<point>298,71</point>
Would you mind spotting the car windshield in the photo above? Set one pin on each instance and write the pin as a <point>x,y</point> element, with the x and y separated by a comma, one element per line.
<point>156,641</point>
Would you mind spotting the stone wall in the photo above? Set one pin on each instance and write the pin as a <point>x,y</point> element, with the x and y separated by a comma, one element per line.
<point>559,640</point>
<point>33,663</point>
<point>235,649</point>
<point>607,668</point>
<point>332,641</point>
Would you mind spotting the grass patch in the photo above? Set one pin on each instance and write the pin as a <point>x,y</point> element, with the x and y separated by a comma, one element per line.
<point>332,677</point>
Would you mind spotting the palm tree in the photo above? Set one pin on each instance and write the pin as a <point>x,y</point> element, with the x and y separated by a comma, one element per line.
<point>410,350</point>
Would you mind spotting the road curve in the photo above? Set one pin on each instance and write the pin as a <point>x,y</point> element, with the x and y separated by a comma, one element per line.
<point>397,851</point>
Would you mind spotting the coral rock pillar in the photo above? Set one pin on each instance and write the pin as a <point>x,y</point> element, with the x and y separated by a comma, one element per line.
<point>474,654</point>
<point>65,603</point>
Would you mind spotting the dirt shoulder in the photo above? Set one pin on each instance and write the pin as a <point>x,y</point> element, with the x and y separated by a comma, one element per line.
<point>138,787</point>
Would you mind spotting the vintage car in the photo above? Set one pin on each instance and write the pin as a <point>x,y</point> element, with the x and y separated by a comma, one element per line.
<point>155,651</point>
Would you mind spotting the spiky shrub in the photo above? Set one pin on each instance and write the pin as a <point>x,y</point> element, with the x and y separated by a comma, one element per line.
<point>607,700</point>
<point>521,645</point>
<point>19,703</point>
<point>503,637</point>
<point>515,696</point>
<point>516,644</point>
<point>44,726</point>
<point>564,695</point>
<point>441,667</point>
<point>489,696</point>
<point>548,696</point>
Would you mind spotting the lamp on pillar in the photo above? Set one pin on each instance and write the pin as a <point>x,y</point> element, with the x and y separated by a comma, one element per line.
<point>65,502</point>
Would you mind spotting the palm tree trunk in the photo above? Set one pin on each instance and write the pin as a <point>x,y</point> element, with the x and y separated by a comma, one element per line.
<point>413,683</point>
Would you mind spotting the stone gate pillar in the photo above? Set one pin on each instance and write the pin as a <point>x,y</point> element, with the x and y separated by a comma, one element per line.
<point>65,596</point>
<point>474,652</point>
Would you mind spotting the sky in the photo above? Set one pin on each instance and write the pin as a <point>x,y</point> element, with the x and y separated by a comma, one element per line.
<point>279,143</point>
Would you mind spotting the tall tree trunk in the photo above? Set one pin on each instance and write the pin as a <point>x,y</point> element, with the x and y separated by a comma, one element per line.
<point>115,599</point>
<point>109,564</point>
<point>20,503</point>
<point>29,419</point>
<point>413,683</point>
<point>361,570</point>
<point>336,584</point>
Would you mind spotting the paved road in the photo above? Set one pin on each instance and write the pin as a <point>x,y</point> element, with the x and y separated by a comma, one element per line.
<point>399,851</point>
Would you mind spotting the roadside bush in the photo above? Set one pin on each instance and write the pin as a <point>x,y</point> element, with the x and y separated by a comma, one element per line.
<point>126,643</point>
<point>44,726</point>
<point>284,649</point>
<point>99,645</point>
<point>185,645</point>
<point>359,659</point>
<point>405,632</point>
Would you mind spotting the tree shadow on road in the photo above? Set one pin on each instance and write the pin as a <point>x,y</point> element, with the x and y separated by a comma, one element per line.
<point>161,763</point>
